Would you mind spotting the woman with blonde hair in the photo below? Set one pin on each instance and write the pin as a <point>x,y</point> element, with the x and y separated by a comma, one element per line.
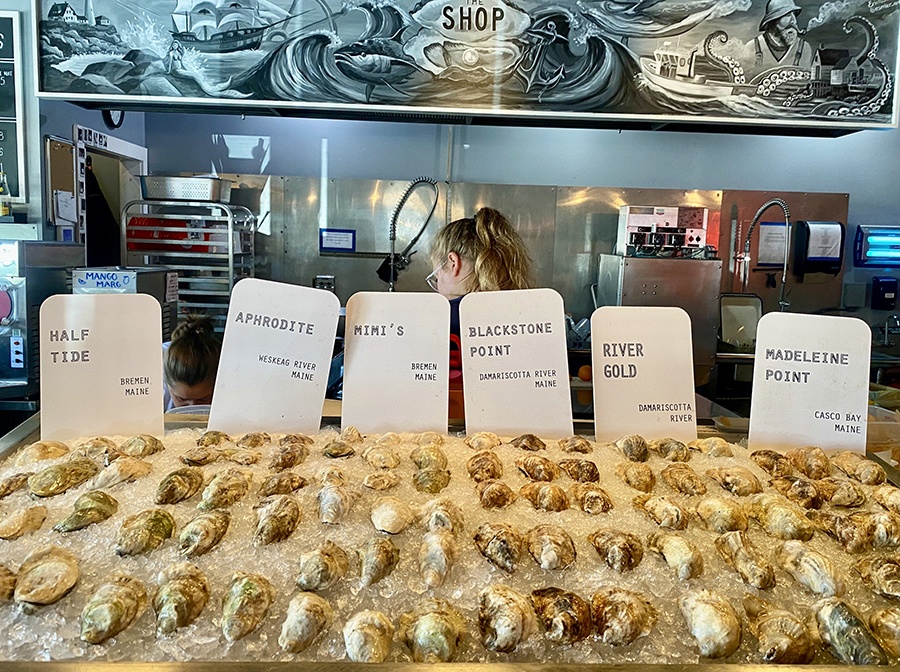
<point>190,363</point>
<point>483,253</point>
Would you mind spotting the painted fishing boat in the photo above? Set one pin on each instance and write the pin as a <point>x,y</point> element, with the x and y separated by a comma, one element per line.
<point>675,70</point>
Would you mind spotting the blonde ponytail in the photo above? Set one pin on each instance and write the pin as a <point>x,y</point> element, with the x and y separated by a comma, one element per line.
<point>496,251</point>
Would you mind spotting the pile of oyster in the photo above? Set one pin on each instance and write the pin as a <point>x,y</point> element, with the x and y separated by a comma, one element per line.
<point>428,547</point>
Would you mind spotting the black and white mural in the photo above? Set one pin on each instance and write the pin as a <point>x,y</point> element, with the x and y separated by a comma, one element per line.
<point>777,61</point>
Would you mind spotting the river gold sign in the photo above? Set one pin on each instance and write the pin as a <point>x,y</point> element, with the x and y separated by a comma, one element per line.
<point>643,373</point>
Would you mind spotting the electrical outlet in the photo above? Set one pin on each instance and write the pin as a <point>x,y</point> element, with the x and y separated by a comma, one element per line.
<point>17,352</point>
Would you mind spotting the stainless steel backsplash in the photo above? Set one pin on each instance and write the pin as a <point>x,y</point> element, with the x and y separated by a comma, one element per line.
<point>565,228</point>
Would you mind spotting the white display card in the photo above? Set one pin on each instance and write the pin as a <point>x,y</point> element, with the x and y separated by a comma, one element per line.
<point>515,370</point>
<point>810,382</point>
<point>643,371</point>
<point>396,358</point>
<point>101,366</point>
<point>276,352</point>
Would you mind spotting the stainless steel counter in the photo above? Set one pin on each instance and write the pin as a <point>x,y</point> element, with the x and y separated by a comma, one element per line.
<point>269,666</point>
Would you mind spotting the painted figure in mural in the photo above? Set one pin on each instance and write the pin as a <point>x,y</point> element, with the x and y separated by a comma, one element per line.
<point>779,42</point>
<point>614,57</point>
<point>174,57</point>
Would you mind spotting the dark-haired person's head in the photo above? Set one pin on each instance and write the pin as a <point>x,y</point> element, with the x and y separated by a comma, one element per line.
<point>191,362</point>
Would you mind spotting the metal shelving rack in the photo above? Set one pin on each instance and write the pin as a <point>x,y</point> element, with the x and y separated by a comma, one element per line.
<point>211,246</point>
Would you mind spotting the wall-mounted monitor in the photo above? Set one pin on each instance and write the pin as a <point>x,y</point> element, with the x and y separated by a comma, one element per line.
<point>877,246</point>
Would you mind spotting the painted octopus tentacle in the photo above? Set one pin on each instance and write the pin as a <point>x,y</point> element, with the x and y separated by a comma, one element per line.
<point>877,101</point>
<point>727,64</point>
<point>778,77</point>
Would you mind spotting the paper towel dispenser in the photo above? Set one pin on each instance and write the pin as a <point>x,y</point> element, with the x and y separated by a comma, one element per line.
<point>876,246</point>
<point>818,247</point>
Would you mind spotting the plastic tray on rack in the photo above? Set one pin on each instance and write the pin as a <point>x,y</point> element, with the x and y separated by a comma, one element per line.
<point>164,234</point>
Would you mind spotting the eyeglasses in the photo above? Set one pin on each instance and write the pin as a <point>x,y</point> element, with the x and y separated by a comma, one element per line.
<point>431,278</point>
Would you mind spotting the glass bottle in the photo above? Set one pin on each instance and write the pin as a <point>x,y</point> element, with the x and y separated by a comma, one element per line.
<point>5,199</point>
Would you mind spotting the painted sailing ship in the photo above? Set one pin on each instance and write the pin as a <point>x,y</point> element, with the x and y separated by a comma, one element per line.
<point>222,26</point>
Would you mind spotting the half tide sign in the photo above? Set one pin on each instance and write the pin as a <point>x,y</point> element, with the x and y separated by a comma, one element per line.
<point>101,366</point>
<point>275,359</point>
<point>643,372</point>
<point>810,382</point>
<point>515,370</point>
<point>395,362</point>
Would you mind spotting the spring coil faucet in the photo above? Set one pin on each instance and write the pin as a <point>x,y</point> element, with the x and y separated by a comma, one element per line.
<point>745,257</point>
